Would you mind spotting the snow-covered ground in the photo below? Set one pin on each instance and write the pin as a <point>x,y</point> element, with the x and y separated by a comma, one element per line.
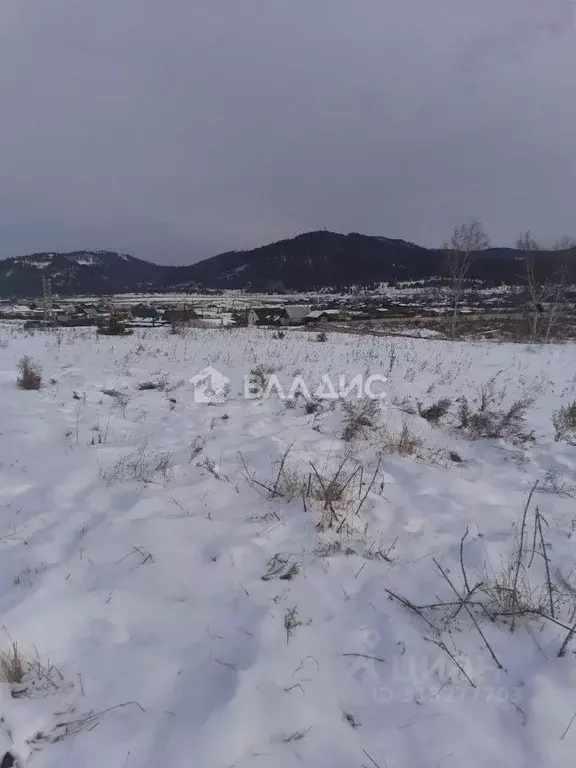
<point>137,524</point>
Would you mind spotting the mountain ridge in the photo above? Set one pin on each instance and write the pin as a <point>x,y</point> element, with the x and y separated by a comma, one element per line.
<point>319,260</point>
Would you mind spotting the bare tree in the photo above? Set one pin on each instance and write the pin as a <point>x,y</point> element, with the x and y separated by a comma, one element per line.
<point>536,290</point>
<point>466,241</point>
<point>558,283</point>
<point>565,243</point>
<point>545,295</point>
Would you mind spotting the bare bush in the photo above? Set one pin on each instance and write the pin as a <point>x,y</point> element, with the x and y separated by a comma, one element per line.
<point>359,418</point>
<point>508,423</point>
<point>160,384</point>
<point>322,336</point>
<point>564,421</point>
<point>553,484</point>
<point>120,399</point>
<point>510,591</point>
<point>487,416</point>
<point>436,411</point>
<point>29,374</point>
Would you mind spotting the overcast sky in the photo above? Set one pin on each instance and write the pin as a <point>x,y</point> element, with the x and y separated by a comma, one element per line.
<point>175,129</point>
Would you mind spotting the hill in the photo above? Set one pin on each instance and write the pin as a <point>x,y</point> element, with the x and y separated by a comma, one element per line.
<point>79,272</point>
<point>328,260</point>
<point>311,261</point>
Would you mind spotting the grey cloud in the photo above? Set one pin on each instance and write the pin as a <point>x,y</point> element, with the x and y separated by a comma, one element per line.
<point>175,130</point>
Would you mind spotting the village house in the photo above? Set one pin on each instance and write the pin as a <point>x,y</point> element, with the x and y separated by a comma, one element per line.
<point>144,312</point>
<point>323,316</point>
<point>180,315</point>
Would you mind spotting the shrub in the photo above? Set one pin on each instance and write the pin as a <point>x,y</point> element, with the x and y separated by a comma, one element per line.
<point>564,421</point>
<point>161,384</point>
<point>120,399</point>
<point>488,417</point>
<point>359,418</point>
<point>322,336</point>
<point>508,423</point>
<point>30,374</point>
<point>433,413</point>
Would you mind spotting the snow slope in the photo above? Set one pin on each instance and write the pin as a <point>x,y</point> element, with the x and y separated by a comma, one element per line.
<point>146,594</point>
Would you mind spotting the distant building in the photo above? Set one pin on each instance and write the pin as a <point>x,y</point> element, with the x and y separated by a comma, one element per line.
<point>324,316</point>
<point>143,311</point>
<point>263,315</point>
<point>288,315</point>
<point>293,315</point>
<point>180,315</point>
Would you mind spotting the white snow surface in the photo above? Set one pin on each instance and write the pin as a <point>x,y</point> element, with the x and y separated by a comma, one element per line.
<point>147,596</point>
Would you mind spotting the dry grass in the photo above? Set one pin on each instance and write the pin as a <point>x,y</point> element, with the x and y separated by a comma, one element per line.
<point>27,676</point>
<point>508,593</point>
<point>339,488</point>
<point>403,441</point>
<point>142,466</point>
<point>12,667</point>
<point>281,566</point>
<point>522,589</point>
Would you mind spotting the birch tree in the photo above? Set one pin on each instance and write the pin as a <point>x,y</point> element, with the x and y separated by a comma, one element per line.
<point>559,283</point>
<point>536,289</point>
<point>466,241</point>
<point>545,295</point>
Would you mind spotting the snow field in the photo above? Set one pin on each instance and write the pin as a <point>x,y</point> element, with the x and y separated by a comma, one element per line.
<point>136,526</point>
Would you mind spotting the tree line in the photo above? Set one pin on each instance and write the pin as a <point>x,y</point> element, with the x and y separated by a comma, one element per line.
<point>546,290</point>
